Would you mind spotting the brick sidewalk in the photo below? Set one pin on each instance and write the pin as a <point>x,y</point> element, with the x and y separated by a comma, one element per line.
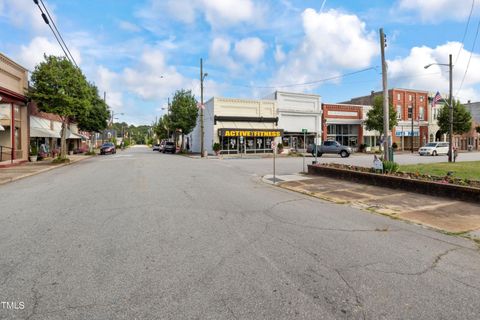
<point>439,213</point>
<point>28,169</point>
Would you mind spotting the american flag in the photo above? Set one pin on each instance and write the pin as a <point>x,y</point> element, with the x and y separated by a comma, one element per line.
<point>437,98</point>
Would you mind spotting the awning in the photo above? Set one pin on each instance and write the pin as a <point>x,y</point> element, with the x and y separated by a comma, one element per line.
<point>71,135</point>
<point>43,133</point>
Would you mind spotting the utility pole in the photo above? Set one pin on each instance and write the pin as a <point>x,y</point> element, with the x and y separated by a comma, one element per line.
<point>450,147</point>
<point>386,117</point>
<point>202,129</point>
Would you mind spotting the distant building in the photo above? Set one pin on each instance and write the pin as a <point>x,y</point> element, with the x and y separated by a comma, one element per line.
<point>13,111</point>
<point>471,139</point>
<point>412,110</point>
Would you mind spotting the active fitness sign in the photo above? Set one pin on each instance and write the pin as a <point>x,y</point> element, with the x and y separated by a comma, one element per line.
<point>250,133</point>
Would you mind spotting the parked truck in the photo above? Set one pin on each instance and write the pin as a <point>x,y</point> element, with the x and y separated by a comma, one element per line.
<point>330,147</point>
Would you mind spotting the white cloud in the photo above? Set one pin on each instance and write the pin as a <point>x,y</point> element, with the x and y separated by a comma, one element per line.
<point>128,26</point>
<point>25,14</point>
<point>218,13</point>
<point>228,12</point>
<point>409,72</point>
<point>250,49</point>
<point>32,54</point>
<point>280,56</point>
<point>333,41</point>
<point>437,10</point>
<point>220,54</point>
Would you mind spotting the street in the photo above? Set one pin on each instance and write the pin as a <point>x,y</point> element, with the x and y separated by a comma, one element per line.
<point>144,235</point>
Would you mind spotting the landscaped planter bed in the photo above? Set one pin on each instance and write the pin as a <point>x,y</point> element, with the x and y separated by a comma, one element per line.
<point>448,187</point>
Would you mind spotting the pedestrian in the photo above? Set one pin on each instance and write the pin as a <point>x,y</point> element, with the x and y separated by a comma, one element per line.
<point>455,154</point>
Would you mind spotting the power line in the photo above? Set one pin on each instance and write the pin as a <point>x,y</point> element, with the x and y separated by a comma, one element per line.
<point>307,83</point>
<point>465,32</point>
<point>58,32</point>
<point>45,18</point>
<point>470,58</point>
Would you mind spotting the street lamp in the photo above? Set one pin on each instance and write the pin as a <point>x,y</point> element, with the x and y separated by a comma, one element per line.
<point>450,134</point>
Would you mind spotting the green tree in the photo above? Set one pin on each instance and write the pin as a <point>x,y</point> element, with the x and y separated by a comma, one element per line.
<point>94,117</point>
<point>161,128</point>
<point>183,112</point>
<point>462,119</point>
<point>375,116</point>
<point>59,87</point>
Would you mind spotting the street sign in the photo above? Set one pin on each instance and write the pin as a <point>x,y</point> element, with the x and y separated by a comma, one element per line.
<point>304,130</point>
<point>273,145</point>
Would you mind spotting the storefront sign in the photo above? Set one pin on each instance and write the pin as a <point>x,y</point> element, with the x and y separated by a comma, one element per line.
<point>249,133</point>
<point>342,113</point>
<point>406,133</point>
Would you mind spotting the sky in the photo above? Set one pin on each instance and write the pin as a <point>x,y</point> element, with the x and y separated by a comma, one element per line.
<point>141,51</point>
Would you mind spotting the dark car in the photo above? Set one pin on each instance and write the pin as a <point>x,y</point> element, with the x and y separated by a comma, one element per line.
<point>108,147</point>
<point>331,147</point>
<point>169,147</point>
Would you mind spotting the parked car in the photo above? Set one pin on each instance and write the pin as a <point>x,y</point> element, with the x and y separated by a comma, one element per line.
<point>169,147</point>
<point>108,147</point>
<point>156,147</point>
<point>331,147</point>
<point>434,149</point>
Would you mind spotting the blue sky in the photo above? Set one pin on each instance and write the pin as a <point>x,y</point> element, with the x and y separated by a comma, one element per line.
<point>140,52</point>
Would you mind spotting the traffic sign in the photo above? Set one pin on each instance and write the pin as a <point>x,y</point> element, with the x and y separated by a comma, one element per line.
<point>304,130</point>
<point>273,145</point>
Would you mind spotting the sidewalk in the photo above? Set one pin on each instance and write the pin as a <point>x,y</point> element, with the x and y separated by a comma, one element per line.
<point>443,214</point>
<point>28,169</point>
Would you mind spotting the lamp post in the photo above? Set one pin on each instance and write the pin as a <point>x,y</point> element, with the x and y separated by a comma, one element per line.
<point>450,133</point>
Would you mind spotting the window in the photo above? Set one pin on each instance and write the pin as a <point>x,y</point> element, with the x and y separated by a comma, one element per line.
<point>398,96</point>
<point>421,114</point>
<point>399,112</point>
<point>409,97</point>
<point>421,98</point>
<point>410,112</point>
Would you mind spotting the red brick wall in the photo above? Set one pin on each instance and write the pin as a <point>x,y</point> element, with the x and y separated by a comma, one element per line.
<point>326,107</point>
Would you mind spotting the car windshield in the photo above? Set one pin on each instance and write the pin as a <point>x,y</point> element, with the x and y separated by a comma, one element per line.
<point>431,144</point>
<point>169,143</point>
<point>108,144</point>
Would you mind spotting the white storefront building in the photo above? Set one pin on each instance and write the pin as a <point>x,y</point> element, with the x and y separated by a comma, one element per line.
<point>238,125</point>
<point>297,113</point>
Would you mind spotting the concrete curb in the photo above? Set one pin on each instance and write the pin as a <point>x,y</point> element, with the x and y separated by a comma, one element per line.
<point>43,170</point>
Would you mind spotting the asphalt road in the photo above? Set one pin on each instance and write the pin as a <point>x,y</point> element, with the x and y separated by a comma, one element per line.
<point>142,235</point>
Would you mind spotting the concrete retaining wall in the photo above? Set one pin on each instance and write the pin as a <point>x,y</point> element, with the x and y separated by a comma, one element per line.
<point>455,192</point>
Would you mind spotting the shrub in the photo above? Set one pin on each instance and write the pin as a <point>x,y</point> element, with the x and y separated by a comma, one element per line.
<point>394,146</point>
<point>34,150</point>
<point>216,147</point>
<point>362,147</point>
<point>61,160</point>
<point>390,166</point>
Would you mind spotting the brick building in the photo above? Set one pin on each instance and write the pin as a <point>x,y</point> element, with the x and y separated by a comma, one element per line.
<point>412,115</point>
<point>343,123</point>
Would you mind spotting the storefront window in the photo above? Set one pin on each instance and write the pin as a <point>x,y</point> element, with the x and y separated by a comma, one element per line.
<point>346,134</point>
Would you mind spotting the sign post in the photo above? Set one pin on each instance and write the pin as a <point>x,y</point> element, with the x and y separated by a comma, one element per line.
<point>274,148</point>
<point>304,131</point>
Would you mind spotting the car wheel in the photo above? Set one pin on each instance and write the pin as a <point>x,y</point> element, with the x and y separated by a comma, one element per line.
<point>434,153</point>
<point>344,154</point>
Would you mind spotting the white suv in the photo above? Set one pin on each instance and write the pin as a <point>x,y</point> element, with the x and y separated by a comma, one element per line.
<point>434,149</point>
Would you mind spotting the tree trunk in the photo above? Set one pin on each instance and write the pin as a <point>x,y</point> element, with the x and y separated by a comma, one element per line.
<point>63,140</point>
